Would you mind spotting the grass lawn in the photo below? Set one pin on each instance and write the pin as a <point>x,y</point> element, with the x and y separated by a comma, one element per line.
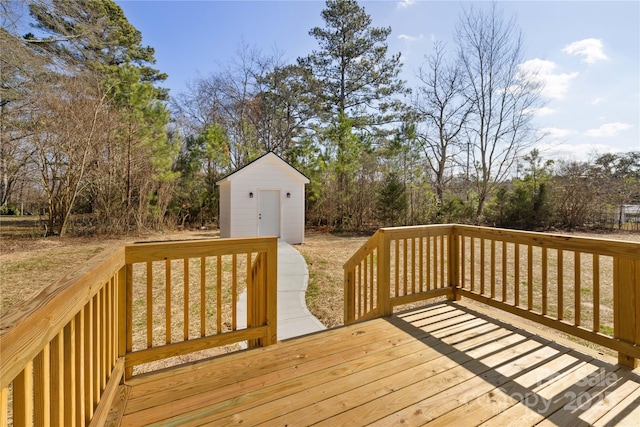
<point>28,262</point>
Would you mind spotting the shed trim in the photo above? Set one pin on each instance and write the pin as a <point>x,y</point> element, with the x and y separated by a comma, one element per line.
<point>272,154</point>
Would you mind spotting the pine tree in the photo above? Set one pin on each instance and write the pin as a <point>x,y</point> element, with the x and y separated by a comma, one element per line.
<point>91,34</point>
<point>356,84</point>
<point>356,76</point>
<point>392,201</point>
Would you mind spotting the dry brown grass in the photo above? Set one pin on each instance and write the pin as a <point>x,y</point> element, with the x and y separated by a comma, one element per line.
<point>193,300</point>
<point>325,254</point>
<point>28,264</point>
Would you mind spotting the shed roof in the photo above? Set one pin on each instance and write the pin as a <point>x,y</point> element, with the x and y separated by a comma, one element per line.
<point>268,157</point>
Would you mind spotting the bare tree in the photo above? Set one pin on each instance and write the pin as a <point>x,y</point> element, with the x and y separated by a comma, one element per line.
<point>502,96</point>
<point>443,110</point>
<point>77,99</point>
<point>283,107</point>
<point>229,98</point>
<point>576,194</point>
<point>620,175</point>
<point>67,128</point>
<point>199,106</point>
<point>20,70</point>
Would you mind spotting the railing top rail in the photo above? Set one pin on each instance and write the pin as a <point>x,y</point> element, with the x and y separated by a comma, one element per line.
<point>27,327</point>
<point>160,251</point>
<point>396,233</point>
<point>363,251</point>
<point>593,245</point>
<point>418,231</point>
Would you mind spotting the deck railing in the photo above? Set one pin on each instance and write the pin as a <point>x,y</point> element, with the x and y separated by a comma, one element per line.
<point>586,287</point>
<point>64,353</point>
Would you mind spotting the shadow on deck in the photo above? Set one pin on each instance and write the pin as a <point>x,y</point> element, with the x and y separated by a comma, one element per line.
<point>444,364</point>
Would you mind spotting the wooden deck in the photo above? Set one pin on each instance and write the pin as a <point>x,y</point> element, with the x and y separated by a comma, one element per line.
<point>443,364</point>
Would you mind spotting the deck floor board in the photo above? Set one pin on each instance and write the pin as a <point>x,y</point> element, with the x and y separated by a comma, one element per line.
<point>443,364</point>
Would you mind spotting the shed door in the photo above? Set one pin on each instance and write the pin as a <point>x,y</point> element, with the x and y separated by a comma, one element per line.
<point>269,215</point>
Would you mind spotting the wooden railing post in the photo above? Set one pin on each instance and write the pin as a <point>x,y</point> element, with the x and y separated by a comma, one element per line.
<point>349,296</point>
<point>271,288</point>
<point>384,272</point>
<point>255,282</point>
<point>261,308</point>
<point>121,321</point>
<point>453,264</point>
<point>626,305</point>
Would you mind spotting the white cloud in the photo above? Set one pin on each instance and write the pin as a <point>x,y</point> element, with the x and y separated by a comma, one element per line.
<point>405,3</point>
<point>591,49</point>
<point>597,101</point>
<point>608,130</point>
<point>544,72</point>
<point>409,38</point>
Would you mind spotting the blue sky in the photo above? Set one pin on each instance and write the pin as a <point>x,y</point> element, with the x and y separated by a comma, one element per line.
<point>588,52</point>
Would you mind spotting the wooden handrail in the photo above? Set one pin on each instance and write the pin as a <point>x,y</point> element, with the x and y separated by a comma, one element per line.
<point>217,268</point>
<point>59,351</point>
<point>568,270</point>
<point>592,245</point>
<point>64,353</point>
<point>375,263</point>
<point>365,249</point>
<point>27,327</point>
<point>496,267</point>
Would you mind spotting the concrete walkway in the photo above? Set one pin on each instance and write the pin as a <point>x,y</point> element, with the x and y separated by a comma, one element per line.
<point>294,319</point>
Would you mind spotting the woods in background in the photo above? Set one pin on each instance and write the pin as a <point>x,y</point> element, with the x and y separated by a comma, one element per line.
<point>86,128</point>
<point>83,122</point>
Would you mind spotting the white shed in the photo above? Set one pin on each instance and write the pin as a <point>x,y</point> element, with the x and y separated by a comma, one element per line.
<point>264,198</point>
